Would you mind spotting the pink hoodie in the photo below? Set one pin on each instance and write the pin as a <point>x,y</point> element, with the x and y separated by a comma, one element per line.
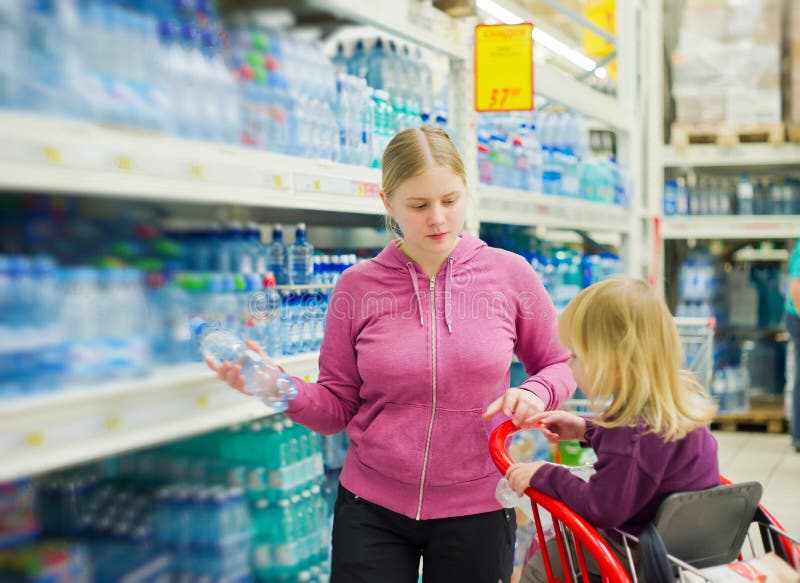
<point>409,363</point>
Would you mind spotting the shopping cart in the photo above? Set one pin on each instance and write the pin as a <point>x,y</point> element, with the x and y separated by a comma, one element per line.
<point>575,537</point>
<point>697,337</point>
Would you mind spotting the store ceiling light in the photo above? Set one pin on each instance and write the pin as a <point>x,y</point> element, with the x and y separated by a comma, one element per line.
<point>548,41</point>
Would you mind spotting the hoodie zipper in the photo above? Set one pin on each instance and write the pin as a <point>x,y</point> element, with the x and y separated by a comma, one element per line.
<point>433,406</point>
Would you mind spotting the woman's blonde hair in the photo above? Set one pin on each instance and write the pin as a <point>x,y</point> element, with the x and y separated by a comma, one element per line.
<point>632,354</point>
<point>413,152</point>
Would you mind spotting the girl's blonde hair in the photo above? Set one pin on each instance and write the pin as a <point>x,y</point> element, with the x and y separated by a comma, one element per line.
<point>413,152</point>
<point>632,354</point>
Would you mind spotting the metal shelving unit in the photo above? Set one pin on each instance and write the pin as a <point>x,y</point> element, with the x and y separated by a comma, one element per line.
<point>75,158</point>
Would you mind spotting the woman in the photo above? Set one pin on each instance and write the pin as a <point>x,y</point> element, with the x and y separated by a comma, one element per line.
<point>415,365</point>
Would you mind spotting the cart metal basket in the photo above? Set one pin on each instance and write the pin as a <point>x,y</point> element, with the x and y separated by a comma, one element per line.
<point>697,336</point>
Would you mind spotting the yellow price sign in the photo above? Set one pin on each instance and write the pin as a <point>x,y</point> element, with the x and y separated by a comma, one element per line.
<point>203,401</point>
<point>277,180</point>
<point>504,67</point>
<point>317,185</point>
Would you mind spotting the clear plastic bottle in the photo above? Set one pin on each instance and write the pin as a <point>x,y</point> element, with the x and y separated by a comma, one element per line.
<point>301,258</point>
<point>261,378</point>
<point>276,256</point>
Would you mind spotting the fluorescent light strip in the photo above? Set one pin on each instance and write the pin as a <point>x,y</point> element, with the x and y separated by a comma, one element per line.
<point>546,40</point>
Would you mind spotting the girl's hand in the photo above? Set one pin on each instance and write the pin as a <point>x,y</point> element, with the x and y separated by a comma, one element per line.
<point>518,404</point>
<point>231,373</point>
<point>519,476</point>
<point>558,425</point>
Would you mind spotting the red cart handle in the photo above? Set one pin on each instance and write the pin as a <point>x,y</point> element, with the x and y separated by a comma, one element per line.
<point>585,534</point>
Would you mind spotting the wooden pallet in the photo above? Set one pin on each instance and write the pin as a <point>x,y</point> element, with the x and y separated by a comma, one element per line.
<point>793,132</point>
<point>763,415</point>
<point>727,135</point>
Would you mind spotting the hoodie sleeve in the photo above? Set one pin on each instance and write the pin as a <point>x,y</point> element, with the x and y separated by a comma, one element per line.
<point>537,345</point>
<point>328,405</point>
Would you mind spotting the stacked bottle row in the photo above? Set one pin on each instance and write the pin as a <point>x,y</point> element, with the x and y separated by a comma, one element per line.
<point>401,86</point>
<point>237,248</point>
<point>227,506</point>
<point>174,68</point>
<point>564,272</point>
<point>729,195</point>
<point>705,291</point>
<point>81,325</point>
<point>149,65</point>
<point>547,153</point>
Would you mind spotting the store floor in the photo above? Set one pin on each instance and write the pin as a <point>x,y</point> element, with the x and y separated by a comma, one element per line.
<point>770,459</point>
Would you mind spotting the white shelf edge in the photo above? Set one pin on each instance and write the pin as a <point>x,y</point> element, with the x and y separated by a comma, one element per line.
<point>761,255</point>
<point>60,429</point>
<point>743,155</point>
<point>74,157</point>
<point>561,88</point>
<point>731,227</point>
<point>516,207</point>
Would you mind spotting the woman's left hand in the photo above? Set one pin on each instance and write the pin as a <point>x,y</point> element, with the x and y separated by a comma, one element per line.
<point>518,404</point>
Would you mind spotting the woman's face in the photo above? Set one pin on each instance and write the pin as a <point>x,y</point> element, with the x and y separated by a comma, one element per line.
<point>430,210</point>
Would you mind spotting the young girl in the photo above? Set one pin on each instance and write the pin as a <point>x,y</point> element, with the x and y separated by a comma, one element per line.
<point>650,431</point>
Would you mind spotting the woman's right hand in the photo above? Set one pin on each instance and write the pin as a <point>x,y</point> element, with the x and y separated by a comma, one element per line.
<point>559,425</point>
<point>231,373</point>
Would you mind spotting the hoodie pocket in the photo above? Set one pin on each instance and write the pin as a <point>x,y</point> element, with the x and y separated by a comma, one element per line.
<point>459,448</point>
<point>394,443</point>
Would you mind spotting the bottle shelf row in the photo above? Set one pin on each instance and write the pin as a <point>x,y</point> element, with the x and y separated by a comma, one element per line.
<point>53,155</point>
<point>55,430</point>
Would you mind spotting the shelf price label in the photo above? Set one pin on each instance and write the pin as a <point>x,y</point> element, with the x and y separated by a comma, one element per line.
<point>123,163</point>
<point>35,439</point>
<point>51,154</point>
<point>504,67</point>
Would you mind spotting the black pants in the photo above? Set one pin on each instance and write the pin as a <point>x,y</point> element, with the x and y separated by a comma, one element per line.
<point>793,326</point>
<point>374,545</point>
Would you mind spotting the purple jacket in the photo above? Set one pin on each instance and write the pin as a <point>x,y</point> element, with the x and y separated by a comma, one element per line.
<point>409,363</point>
<point>636,470</point>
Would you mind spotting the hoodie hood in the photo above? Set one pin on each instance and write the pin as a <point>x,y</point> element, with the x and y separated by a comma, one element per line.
<point>466,249</point>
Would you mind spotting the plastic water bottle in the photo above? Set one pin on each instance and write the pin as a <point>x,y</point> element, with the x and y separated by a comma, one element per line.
<point>301,258</point>
<point>262,379</point>
<point>744,196</point>
<point>271,340</point>
<point>276,256</point>
<point>509,499</point>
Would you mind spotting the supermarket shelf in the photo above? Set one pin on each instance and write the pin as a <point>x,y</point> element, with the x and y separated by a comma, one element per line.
<point>413,21</point>
<point>731,227</point>
<point>41,154</point>
<point>568,91</point>
<point>743,155</point>
<point>516,207</point>
<point>47,432</point>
